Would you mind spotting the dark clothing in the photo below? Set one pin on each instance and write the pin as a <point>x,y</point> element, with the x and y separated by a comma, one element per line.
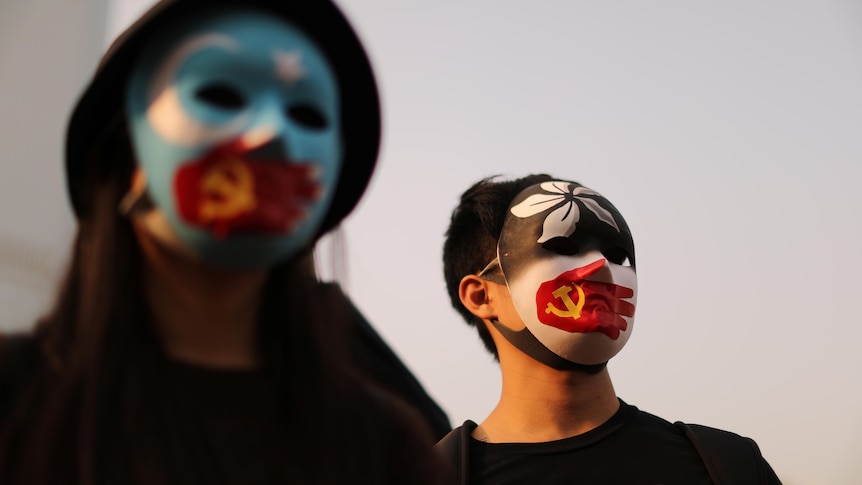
<point>219,426</point>
<point>226,422</point>
<point>633,447</point>
<point>224,426</point>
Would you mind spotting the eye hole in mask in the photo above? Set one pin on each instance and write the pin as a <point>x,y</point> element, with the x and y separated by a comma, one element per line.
<point>222,96</point>
<point>308,116</point>
<point>561,245</point>
<point>618,256</point>
<point>566,246</point>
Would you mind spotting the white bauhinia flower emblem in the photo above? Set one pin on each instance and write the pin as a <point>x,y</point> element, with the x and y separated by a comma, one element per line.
<point>564,211</point>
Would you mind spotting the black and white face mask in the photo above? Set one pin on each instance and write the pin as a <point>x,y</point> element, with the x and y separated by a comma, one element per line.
<point>567,257</point>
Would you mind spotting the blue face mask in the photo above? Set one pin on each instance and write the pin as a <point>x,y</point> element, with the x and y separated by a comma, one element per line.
<point>234,120</point>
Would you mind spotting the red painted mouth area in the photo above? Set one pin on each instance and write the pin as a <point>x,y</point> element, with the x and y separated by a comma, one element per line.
<point>227,193</point>
<point>572,303</point>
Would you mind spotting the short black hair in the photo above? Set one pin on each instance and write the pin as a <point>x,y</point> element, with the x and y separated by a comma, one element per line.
<point>471,239</point>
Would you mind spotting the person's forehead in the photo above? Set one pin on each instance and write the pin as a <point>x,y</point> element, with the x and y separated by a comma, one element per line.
<point>560,218</point>
<point>237,30</point>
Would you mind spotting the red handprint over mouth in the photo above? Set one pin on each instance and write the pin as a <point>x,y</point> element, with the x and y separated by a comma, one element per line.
<point>228,193</point>
<point>572,303</point>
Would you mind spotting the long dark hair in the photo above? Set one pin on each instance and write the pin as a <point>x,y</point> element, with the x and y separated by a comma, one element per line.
<point>104,384</point>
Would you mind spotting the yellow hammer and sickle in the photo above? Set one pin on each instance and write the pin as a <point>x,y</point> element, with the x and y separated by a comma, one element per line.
<point>228,190</point>
<point>572,309</point>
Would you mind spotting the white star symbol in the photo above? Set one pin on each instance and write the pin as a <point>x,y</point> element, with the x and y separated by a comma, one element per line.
<point>288,66</point>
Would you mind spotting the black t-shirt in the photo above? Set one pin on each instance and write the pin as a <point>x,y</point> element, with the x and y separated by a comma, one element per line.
<point>230,414</point>
<point>633,447</point>
<point>212,426</point>
<point>228,418</point>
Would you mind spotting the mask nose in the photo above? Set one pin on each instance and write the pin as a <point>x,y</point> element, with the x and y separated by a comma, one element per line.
<point>274,150</point>
<point>592,265</point>
<point>267,137</point>
<point>604,273</point>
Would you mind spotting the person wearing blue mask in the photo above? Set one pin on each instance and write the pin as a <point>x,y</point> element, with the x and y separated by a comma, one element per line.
<point>545,270</point>
<point>190,342</point>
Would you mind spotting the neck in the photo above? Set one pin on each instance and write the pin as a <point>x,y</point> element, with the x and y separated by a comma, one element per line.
<point>539,403</point>
<point>203,315</point>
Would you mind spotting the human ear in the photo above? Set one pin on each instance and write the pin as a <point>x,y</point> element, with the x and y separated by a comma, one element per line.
<point>474,294</point>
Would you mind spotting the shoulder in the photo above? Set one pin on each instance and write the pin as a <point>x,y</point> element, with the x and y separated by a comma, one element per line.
<point>404,436</point>
<point>379,362</point>
<point>729,457</point>
<point>634,414</point>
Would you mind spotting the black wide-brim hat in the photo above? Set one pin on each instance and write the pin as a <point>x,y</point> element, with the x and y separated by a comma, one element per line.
<point>321,20</point>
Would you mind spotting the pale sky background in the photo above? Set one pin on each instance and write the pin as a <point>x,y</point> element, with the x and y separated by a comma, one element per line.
<point>727,133</point>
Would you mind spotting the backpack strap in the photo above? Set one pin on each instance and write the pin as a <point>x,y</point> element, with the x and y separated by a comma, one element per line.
<point>455,448</point>
<point>729,458</point>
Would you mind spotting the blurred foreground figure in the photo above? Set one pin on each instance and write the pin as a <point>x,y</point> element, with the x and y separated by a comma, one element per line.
<point>545,271</point>
<point>190,342</point>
